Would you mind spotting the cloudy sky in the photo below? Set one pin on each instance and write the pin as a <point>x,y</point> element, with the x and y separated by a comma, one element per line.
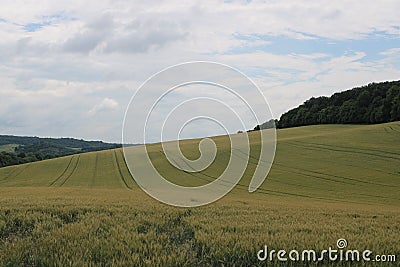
<point>69,68</point>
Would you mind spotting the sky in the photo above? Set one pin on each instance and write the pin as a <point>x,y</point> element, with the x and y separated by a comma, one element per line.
<point>69,68</point>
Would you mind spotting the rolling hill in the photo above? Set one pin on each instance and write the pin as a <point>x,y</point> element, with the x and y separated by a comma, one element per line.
<point>344,163</point>
<point>328,182</point>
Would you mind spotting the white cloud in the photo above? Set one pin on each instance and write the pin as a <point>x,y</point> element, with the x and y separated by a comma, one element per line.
<point>107,104</point>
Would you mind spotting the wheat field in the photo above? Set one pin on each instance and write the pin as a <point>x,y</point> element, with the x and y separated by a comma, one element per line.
<point>327,182</point>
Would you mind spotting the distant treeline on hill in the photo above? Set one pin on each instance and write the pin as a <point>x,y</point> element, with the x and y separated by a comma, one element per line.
<point>19,149</point>
<point>373,103</point>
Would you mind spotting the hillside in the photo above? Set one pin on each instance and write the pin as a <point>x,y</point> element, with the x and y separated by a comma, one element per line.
<point>20,149</point>
<point>342,163</point>
<point>373,103</point>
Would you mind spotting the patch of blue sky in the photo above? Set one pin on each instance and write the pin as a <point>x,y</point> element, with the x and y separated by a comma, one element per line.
<point>46,21</point>
<point>372,45</point>
<point>272,73</point>
<point>32,27</point>
<point>261,72</point>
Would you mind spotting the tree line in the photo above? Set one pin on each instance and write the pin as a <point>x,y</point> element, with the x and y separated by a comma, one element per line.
<point>373,103</point>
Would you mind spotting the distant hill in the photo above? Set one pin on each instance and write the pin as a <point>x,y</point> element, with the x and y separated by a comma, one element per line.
<point>21,149</point>
<point>373,103</point>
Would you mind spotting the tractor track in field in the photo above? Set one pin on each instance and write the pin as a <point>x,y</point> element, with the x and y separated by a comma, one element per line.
<point>315,174</point>
<point>195,174</point>
<point>9,175</point>
<point>63,173</point>
<point>392,130</point>
<point>244,187</point>
<point>212,177</point>
<point>126,166</point>
<point>355,166</point>
<point>96,163</point>
<point>351,181</point>
<point>16,172</point>
<point>310,187</point>
<point>220,164</point>
<point>328,190</point>
<point>120,170</point>
<point>322,148</point>
<point>300,171</point>
<point>350,149</point>
<point>72,172</point>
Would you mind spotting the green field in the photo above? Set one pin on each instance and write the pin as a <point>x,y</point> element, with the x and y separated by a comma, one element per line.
<point>8,148</point>
<point>327,182</point>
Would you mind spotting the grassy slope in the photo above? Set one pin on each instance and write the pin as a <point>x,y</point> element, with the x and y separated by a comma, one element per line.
<point>329,162</point>
<point>327,182</point>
